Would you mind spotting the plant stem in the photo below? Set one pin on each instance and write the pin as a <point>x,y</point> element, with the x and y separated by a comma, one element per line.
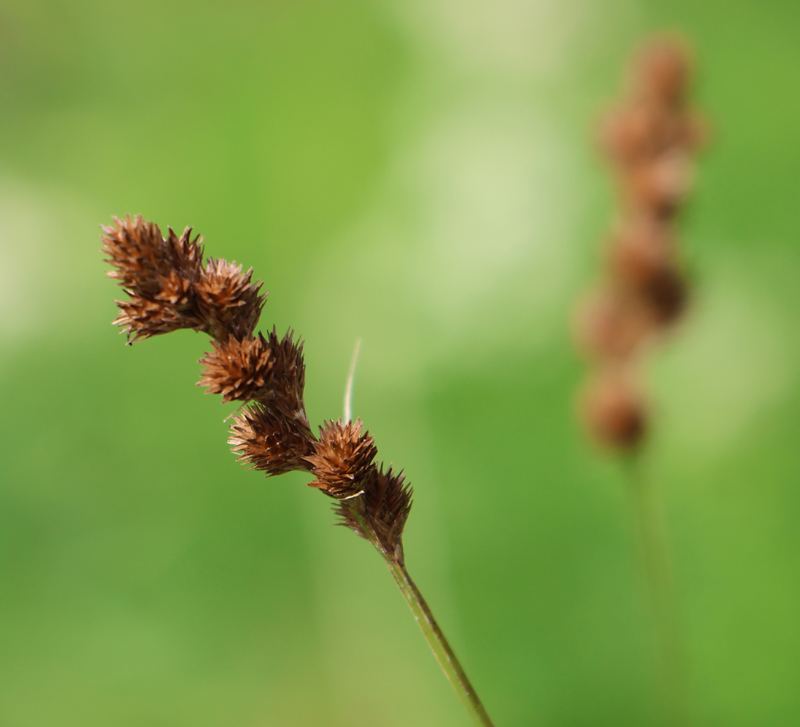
<point>433,634</point>
<point>651,541</point>
<point>438,643</point>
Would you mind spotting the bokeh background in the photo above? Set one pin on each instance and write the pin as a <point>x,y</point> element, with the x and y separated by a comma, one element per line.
<point>419,174</point>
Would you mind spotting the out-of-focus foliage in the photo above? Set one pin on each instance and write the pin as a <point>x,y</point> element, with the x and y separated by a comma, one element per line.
<point>418,174</point>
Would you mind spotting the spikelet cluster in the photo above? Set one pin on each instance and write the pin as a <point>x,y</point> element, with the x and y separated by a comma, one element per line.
<point>650,140</point>
<point>170,288</point>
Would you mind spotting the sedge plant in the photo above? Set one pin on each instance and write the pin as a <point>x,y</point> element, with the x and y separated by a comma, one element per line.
<point>170,287</point>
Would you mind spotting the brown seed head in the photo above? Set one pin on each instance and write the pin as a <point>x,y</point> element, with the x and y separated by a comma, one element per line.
<point>268,441</point>
<point>142,256</point>
<point>613,411</point>
<point>238,370</point>
<point>342,458</point>
<point>383,509</point>
<point>229,299</point>
<point>170,289</point>
<point>156,273</point>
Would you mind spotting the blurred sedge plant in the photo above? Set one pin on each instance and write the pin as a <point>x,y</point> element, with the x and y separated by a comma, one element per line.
<point>170,288</point>
<point>650,140</point>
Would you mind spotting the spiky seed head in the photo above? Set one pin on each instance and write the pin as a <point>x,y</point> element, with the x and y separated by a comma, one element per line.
<point>156,273</point>
<point>134,248</point>
<point>270,442</point>
<point>170,289</point>
<point>141,255</point>
<point>238,370</point>
<point>229,299</point>
<point>342,458</point>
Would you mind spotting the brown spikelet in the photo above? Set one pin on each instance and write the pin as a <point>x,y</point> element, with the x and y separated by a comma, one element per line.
<point>135,248</point>
<point>382,509</point>
<point>614,412</point>
<point>342,458</point>
<point>229,299</point>
<point>141,254</point>
<point>270,442</point>
<point>157,274</point>
<point>238,370</point>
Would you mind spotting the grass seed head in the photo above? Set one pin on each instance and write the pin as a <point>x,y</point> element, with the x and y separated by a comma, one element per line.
<point>342,459</point>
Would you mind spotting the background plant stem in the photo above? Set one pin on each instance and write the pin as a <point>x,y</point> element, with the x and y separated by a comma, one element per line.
<point>438,643</point>
<point>649,529</point>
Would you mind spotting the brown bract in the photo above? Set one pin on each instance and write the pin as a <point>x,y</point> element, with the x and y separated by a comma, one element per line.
<point>342,459</point>
<point>289,379</point>
<point>667,295</point>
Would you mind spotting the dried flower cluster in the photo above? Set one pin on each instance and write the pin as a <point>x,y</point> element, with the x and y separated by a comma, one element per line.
<point>650,140</point>
<point>170,288</point>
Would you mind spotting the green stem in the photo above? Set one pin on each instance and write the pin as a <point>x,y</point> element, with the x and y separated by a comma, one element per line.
<point>438,643</point>
<point>430,629</point>
<point>651,539</point>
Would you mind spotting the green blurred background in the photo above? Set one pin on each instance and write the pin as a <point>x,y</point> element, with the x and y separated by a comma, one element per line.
<point>419,174</point>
